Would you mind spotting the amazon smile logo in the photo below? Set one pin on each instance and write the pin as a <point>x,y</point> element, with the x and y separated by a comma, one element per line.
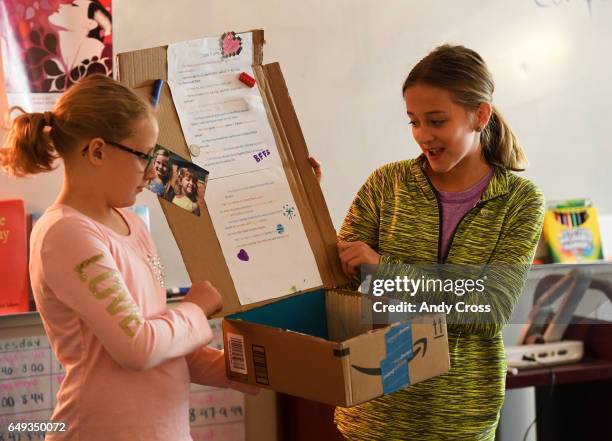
<point>419,347</point>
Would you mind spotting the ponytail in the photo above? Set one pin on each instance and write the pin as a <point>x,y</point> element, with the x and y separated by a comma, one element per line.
<point>28,149</point>
<point>96,106</point>
<point>500,145</point>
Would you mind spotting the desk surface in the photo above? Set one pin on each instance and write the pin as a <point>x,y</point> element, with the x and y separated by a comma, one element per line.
<point>589,369</point>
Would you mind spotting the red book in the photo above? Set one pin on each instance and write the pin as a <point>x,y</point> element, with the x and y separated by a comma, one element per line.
<point>14,286</point>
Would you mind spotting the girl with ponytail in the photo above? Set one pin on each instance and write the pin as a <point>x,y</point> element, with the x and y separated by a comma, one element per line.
<point>459,202</point>
<point>96,277</point>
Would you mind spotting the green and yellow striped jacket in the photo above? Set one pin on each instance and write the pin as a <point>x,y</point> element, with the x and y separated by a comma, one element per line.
<point>397,213</point>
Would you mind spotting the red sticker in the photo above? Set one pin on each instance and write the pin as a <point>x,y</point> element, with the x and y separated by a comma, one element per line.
<point>247,79</point>
<point>231,44</point>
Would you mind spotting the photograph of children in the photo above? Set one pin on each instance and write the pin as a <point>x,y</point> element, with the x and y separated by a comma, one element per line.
<point>163,171</point>
<point>178,180</point>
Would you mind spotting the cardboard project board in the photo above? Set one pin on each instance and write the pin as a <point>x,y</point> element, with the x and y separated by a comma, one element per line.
<point>196,237</point>
<point>311,343</point>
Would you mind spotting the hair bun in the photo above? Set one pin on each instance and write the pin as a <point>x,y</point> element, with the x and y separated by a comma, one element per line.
<point>48,116</point>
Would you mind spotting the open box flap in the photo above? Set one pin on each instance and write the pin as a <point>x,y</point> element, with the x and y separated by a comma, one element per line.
<point>195,236</point>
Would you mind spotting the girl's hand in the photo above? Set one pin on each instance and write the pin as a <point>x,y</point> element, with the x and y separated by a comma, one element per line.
<point>354,254</point>
<point>316,167</point>
<point>205,296</point>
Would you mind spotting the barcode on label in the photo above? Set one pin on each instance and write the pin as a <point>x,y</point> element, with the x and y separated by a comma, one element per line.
<point>235,343</point>
<point>260,364</point>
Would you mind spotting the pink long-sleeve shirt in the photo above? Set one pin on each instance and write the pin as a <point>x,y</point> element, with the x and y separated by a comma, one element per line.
<point>128,358</point>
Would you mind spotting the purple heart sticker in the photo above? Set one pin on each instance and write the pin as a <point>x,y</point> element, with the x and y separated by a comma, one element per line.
<point>242,255</point>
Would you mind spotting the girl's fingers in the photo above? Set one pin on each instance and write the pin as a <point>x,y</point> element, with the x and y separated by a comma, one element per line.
<point>346,256</point>
<point>316,167</point>
<point>345,246</point>
<point>354,265</point>
<point>345,270</point>
<point>353,248</point>
<point>352,253</point>
<point>351,262</point>
<point>348,253</point>
<point>344,267</point>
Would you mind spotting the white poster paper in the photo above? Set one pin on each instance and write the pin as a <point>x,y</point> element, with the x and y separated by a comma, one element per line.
<point>250,202</point>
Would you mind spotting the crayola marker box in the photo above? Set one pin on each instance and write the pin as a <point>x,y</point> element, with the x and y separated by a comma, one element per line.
<point>571,232</point>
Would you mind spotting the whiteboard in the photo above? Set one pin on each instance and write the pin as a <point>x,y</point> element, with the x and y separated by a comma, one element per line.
<point>345,61</point>
<point>30,377</point>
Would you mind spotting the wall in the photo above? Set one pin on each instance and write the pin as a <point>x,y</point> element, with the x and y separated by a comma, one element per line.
<point>345,60</point>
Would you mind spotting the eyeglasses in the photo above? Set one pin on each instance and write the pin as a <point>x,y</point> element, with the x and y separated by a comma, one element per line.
<point>146,156</point>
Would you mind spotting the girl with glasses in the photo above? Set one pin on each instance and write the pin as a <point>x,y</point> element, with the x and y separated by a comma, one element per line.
<point>96,276</point>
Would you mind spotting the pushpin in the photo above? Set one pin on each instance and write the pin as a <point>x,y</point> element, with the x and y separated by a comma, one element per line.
<point>194,149</point>
<point>247,79</point>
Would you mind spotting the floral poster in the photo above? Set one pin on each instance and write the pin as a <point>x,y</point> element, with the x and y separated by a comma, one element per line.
<point>48,45</point>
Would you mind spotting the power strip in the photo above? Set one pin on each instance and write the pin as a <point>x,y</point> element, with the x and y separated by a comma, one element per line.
<point>545,354</point>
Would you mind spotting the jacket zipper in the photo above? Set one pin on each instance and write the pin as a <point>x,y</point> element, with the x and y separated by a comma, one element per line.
<point>440,258</point>
<point>450,244</point>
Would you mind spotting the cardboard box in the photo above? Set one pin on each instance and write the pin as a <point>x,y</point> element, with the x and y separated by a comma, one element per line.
<point>309,344</point>
<point>314,346</point>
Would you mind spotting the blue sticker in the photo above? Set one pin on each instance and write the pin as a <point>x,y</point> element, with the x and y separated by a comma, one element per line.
<point>289,211</point>
<point>394,368</point>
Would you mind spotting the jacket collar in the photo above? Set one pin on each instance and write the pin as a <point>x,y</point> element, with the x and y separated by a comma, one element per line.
<point>498,185</point>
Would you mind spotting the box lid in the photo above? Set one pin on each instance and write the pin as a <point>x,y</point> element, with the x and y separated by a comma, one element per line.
<point>195,236</point>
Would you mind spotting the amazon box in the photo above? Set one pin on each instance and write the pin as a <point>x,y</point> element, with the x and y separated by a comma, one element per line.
<point>313,345</point>
<point>310,343</point>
